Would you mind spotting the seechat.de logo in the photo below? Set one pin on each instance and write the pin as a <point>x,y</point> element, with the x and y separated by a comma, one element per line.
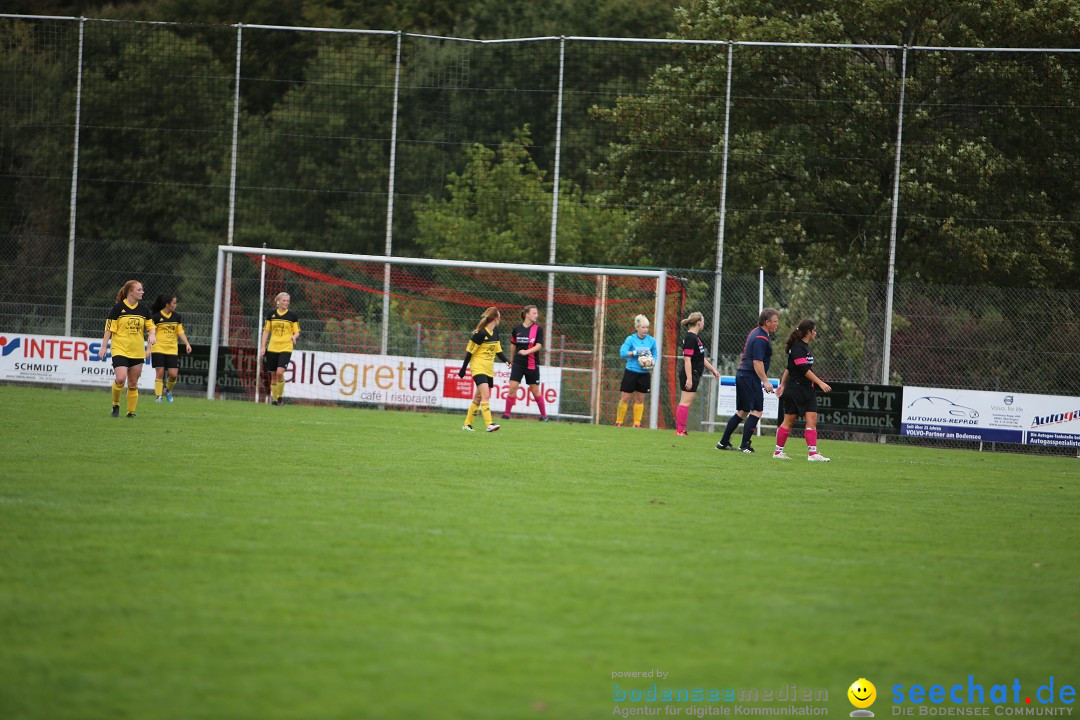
<point>862,695</point>
<point>7,347</point>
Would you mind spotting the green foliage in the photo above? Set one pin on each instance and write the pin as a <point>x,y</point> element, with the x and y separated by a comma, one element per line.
<point>313,172</point>
<point>499,209</point>
<point>988,186</point>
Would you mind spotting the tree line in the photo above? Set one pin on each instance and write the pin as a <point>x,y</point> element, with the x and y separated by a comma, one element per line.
<point>988,191</point>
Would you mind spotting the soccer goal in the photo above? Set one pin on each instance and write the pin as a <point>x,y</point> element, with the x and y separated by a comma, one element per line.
<point>391,331</point>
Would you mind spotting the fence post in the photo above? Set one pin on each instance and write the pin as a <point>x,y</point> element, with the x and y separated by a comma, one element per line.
<point>891,282</point>
<point>714,347</point>
<point>385,339</point>
<point>548,320</point>
<point>69,301</point>
<point>654,380</point>
<point>232,183</point>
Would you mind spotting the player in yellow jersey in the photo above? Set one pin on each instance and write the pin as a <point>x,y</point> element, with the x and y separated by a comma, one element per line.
<point>480,354</point>
<point>128,322</point>
<point>165,353</point>
<point>281,329</point>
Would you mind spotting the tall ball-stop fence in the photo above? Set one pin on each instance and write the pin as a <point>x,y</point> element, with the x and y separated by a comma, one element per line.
<point>134,149</point>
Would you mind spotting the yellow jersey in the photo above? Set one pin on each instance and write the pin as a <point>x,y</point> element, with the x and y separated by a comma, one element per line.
<point>484,346</point>
<point>169,329</point>
<point>129,325</point>
<point>281,326</point>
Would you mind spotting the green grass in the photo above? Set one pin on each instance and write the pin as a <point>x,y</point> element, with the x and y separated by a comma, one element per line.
<point>226,560</point>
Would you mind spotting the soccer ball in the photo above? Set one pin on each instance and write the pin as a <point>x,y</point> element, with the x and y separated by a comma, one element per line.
<point>646,361</point>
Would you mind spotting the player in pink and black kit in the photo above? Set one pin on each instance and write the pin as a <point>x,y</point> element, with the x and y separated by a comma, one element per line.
<point>797,391</point>
<point>752,381</point>
<point>691,368</point>
<point>525,346</point>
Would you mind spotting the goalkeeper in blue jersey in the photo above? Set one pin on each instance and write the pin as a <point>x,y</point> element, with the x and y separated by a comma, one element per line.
<point>641,354</point>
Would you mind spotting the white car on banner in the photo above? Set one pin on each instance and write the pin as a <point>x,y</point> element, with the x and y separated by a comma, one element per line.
<point>978,415</point>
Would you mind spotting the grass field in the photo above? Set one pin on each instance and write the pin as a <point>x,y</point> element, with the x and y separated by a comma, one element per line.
<point>226,560</point>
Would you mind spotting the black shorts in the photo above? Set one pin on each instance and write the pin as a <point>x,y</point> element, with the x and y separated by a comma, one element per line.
<point>635,382</point>
<point>749,394</point>
<point>119,361</point>
<point>799,400</point>
<point>695,379</point>
<point>479,380</point>
<point>164,360</point>
<point>275,360</point>
<point>532,377</point>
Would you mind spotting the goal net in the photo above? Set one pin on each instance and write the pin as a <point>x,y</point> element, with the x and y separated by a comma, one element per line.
<point>392,332</point>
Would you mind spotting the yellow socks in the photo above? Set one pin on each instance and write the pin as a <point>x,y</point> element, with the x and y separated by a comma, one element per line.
<point>157,388</point>
<point>485,410</point>
<point>621,415</point>
<point>116,391</point>
<point>279,389</point>
<point>473,407</point>
<point>132,399</point>
<point>639,410</point>
<point>170,384</point>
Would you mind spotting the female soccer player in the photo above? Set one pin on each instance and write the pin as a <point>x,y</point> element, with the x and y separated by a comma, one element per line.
<point>752,381</point>
<point>127,323</point>
<point>480,354</point>
<point>636,349</point>
<point>524,348</point>
<point>165,353</point>
<point>282,328</point>
<point>797,391</point>
<point>691,368</point>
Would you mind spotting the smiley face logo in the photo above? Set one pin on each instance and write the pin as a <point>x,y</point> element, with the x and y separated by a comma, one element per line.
<point>862,693</point>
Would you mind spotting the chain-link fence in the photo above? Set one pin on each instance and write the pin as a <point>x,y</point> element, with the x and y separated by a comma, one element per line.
<point>133,149</point>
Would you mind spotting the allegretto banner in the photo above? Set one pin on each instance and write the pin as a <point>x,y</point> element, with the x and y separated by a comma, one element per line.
<point>312,375</point>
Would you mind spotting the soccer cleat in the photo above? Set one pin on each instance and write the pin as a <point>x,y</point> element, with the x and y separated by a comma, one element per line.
<point>747,449</point>
<point>724,446</point>
<point>131,415</point>
<point>505,416</point>
<point>545,419</point>
<point>817,457</point>
<point>681,433</point>
<point>168,395</point>
<point>618,424</point>
<point>157,399</point>
<point>116,411</point>
<point>637,425</point>
<point>275,402</point>
<point>492,428</point>
<point>780,456</point>
<point>467,428</point>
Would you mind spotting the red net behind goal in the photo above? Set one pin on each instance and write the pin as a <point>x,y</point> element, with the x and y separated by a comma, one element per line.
<point>434,309</point>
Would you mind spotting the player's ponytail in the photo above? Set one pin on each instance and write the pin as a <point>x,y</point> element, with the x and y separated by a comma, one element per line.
<point>692,319</point>
<point>801,331</point>
<point>161,302</point>
<point>640,320</point>
<point>126,290</point>
<point>487,318</point>
<point>525,310</point>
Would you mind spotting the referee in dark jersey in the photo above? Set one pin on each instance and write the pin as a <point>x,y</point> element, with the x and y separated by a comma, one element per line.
<point>752,380</point>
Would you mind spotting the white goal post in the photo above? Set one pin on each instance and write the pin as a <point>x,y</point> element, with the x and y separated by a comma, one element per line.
<point>598,293</point>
